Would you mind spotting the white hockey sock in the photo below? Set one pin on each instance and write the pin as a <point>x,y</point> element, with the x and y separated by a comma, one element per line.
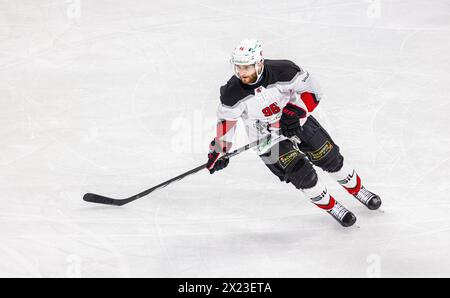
<point>346,177</point>
<point>349,179</point>
<point>320,196</point>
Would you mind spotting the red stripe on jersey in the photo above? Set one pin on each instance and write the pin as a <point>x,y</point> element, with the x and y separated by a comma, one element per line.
<point>310,100</point>
<point>329,205</point>
<point>355,190</point>
<point>224,126</point>
<point>220,146</point>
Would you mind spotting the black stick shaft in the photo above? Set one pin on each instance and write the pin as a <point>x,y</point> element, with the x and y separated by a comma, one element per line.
<point>164,184</point>
<point>94,198</point>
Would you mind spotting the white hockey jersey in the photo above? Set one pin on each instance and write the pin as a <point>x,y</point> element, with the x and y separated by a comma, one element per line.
<point>261,104</point>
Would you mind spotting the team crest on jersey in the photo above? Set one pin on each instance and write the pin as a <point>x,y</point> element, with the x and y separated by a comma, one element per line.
<point>321,152</point>
<point>287,158</point>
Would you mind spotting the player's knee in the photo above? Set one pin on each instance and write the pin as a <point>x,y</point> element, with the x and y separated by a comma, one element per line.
<point>335,164</point>
<point>303,175</point>
<point>331,162</point>
<point>310,180</point>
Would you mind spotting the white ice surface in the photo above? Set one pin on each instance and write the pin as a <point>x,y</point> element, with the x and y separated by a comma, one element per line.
<point>95,95</point>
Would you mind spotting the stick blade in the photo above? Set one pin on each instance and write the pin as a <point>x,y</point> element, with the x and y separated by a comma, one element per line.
<point>93,198</point>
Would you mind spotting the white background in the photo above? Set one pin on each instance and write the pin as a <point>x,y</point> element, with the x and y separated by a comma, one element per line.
<point>113,97</point>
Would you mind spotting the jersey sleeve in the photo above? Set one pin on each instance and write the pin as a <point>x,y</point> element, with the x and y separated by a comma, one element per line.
<point>304,91</point>
<point>227,118</point>
<point>228,113</point>
<point>225,112</point>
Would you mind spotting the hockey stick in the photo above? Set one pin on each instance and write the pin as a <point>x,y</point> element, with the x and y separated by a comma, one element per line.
<point>94,198</point>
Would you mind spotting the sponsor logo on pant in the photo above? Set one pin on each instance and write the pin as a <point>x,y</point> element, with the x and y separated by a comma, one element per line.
<point>321,152</point>
<point>287,158</point>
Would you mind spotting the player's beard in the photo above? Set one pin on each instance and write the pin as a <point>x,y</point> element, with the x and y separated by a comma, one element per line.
<point>249,79</point>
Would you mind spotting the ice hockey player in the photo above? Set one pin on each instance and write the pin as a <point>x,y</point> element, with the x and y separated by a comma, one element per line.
<point>279,96</point>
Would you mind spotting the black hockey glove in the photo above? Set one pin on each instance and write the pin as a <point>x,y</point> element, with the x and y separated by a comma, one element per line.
<point>290,120</point>
<point>215,162</point>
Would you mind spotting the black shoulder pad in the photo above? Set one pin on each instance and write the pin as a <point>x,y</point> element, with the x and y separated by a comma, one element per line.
<point>283,70</point>
<point>232,92</point>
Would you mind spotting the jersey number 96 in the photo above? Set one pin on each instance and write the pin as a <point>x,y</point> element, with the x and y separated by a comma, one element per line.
<point>270,110</point>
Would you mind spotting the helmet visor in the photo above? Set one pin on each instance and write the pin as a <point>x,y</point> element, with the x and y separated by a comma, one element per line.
<point>243,71</point>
